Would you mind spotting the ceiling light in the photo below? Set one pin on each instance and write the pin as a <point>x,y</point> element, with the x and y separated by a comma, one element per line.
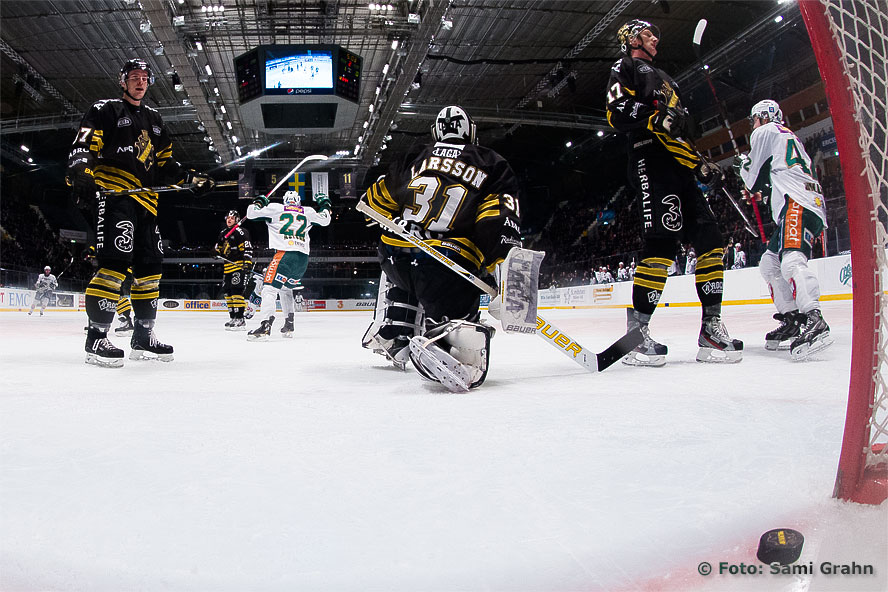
<point>234,139</point>
<point>394,44</point>
<point>371,108</point>
<point>178,21</point>
<point>385,69</point>
<point>209,70</point>
<point>377,90</point>
<point>357,149</point>
<point>198,45</point>
<point>366,124</point>
<point>145,26</point>
<point>221,107</point>
<point>600,133</point>
<point>446,24</point>
<point>25,148</point>
<point>31,160</point>
<point>158,50</point>
<point>568,144</point>
<point>238,150</point>
<point>228,124</point>
<point>778,18</point>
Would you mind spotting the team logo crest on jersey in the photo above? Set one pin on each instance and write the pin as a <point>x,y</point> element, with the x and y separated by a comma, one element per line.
<point>644,68</point>
<point>156,130</point>
<point>124,121</point>
<point>144,150</point>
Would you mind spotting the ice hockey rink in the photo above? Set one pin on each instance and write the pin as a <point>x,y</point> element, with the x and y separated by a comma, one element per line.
<point>311,464</point>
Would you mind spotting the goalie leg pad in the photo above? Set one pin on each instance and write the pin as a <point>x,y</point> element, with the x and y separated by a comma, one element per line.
<point>454,353</point>
<point>396,319</point>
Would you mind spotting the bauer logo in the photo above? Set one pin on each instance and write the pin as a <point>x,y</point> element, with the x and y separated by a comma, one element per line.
<point>124,121</point>
<point>170,304</point>
<point>197,304</point>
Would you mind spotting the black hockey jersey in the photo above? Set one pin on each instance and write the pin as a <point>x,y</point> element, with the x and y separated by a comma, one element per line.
<point>125,147</point>
<point>236,248</point>
<point>465,197</point>
<point>635,87</point>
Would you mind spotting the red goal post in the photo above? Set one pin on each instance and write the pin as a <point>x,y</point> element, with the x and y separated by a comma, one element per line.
<point>850,43</point>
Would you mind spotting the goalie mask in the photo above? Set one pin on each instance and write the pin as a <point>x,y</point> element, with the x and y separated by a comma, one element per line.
<point>766,109</point>
<point>291,198</point>
<point>135,64</point>
<point>454,124</point>
<point>632,30</point>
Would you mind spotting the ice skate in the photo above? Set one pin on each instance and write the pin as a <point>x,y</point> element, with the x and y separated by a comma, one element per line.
<point>237,324</point>
<point>146,346</point>
<point>650,352</point>
<point>288,328</point>
<point>396,349</point>
<point>791,324</point>
<point>100,351</point>
<point>228,324</point>
<point>715,343</point>
<point>262,332</point>
<point>125,327</point>
<point>813,338</point>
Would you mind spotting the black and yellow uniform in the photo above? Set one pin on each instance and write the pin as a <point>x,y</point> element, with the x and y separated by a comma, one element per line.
<point>463,200</point>
<point>235,247</point>
<point>123,146</point>
<point>662,171</point>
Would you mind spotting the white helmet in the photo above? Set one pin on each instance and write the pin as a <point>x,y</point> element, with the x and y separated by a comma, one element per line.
<point>766,109</point>
<point>453,123</point>
<point>291,198</point>
<point>47,269</point>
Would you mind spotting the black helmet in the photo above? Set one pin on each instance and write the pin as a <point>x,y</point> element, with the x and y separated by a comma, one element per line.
<point>630,31</point>
<point>135,64</point>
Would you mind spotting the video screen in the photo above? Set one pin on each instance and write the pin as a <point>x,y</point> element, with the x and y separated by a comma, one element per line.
<point>303,69</point>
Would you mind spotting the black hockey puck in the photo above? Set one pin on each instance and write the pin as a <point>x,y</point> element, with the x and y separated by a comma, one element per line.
<point>782,545</point>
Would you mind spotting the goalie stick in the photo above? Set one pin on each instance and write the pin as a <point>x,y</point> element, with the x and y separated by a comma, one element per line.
<point>70,261</point>
<point>593,362</point>
<point>698,37</point>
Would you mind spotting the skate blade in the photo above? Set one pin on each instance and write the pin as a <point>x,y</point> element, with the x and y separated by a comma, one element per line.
<point>241,328</point>
<point>807,350</point>
<point>718,356</point>
<point>452,375</point>
<point>121,331</point>
<point>138,354</point>
<point>288,335</point>
<point>777,345</point>
<point>104,362</point>
<point>399,359</point>
<point>257,337</point>
<point>634,358</point>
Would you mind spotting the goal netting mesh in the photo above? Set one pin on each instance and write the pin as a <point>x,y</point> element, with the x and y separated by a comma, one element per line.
<point>849,40</point>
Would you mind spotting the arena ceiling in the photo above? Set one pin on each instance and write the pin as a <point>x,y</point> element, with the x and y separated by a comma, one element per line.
<point>539,65</point>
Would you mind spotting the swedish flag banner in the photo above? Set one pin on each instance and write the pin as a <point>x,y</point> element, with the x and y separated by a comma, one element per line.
<point>297,183</point>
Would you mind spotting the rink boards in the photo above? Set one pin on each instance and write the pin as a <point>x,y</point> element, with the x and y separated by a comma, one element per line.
<point>742,286</point>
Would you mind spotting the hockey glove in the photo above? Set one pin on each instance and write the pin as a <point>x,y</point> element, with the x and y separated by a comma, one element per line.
<point>671,121</point>
<point>740,163</point>
<point>261,201</point>
<point>710,174</point>
<point>322,201</point>
<point>83,187</point>
<point>200,184</point>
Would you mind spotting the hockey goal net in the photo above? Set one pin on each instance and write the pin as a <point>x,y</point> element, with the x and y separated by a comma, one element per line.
<point>850,43</point>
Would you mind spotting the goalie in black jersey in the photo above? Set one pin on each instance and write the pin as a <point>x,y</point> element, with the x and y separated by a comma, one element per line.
<point>121,145</point>
<point>645,103</point>
<point>462,199</point>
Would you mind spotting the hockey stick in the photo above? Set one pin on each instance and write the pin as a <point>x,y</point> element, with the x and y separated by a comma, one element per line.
<point>279,183</point>
<point>593,362</point>
<point>698,36</point>
<point>70,261</point>
<point>166,188</point>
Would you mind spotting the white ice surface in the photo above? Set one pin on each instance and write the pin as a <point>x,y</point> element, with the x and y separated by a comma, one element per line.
<point>311,464</point>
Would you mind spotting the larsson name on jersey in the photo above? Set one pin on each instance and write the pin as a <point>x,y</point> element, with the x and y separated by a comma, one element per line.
<point>471,174</point>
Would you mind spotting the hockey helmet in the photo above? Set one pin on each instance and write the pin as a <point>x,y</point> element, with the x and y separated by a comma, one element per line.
<point>47,269</point>
<point>291,198</point>
<point>630,31</point>
<point>766,109</point>
<point>135,64</point>
<point>453,123</point>
<point>232,213</point>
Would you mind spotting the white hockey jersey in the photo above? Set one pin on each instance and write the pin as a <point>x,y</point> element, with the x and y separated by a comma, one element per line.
<point>288,226</point>
<point>777,156</point>
<point>46,283</point>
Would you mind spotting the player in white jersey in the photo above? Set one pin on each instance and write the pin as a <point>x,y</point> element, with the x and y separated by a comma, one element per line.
<point>45,286</point>
<point>288,226</point>
<point>778,157</point>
